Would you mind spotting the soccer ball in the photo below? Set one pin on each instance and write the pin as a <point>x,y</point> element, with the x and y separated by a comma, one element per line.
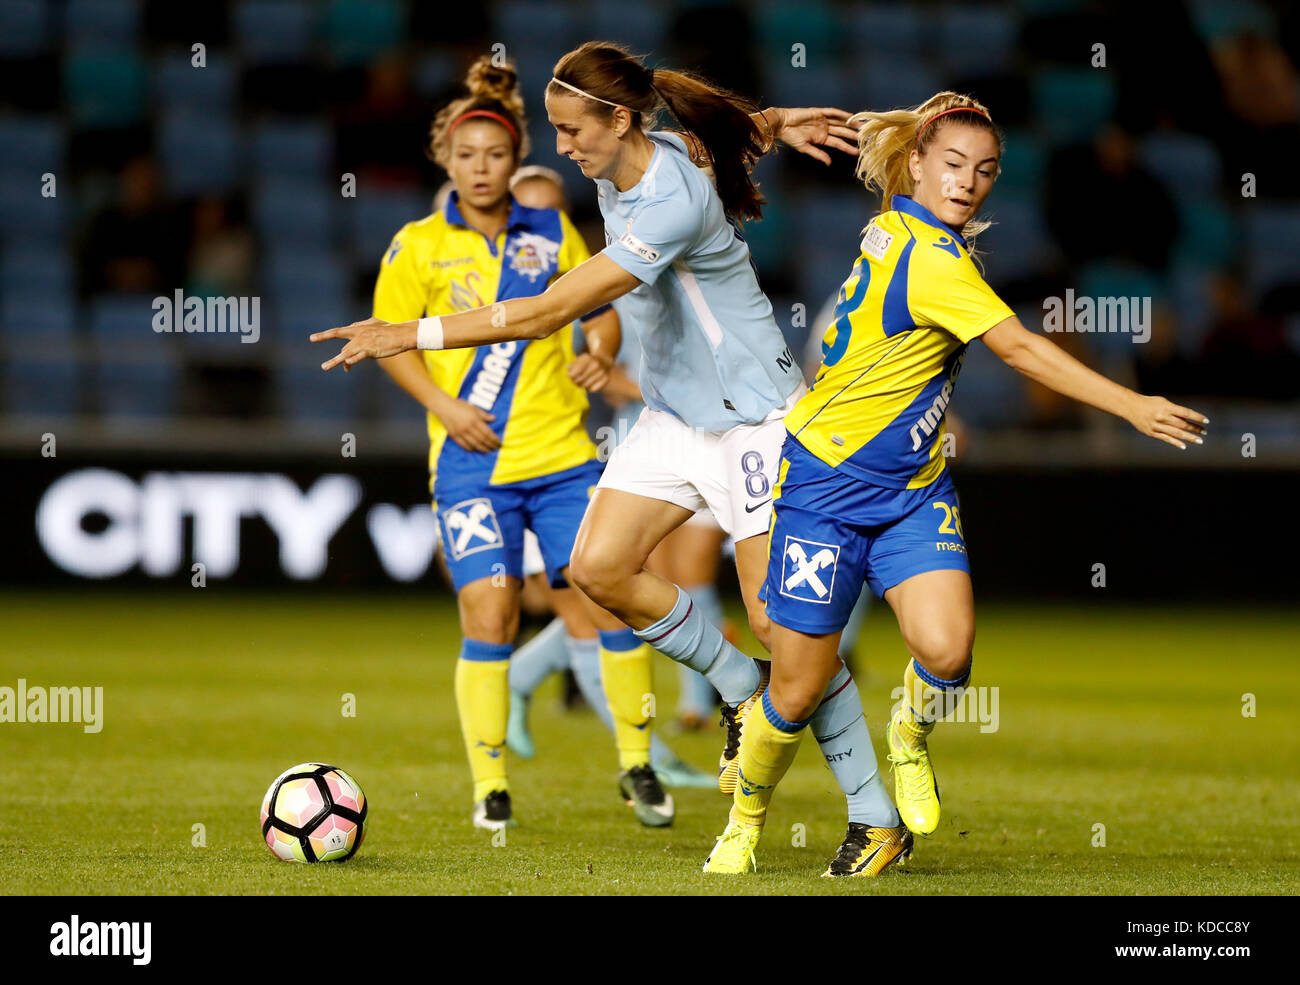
<point>314,813</point>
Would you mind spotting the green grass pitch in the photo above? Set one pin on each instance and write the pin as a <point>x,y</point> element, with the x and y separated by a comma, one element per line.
<point>1126,717</point>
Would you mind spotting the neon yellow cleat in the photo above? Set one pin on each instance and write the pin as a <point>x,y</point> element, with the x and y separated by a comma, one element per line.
<point>733,720</point>
<point>916,791</point>
<point>734,852</point>
<point>867,851</point>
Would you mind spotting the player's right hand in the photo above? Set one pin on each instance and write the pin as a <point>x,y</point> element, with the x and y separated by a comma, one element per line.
<point>1159,418</point>
<point>467,425</point>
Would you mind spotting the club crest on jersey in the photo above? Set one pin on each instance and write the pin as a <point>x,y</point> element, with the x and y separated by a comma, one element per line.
<point>471,526</point>
<point>808,569</point>
<point>532,255</point>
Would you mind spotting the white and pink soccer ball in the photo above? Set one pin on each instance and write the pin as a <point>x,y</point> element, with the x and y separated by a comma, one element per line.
<point>314,813</point>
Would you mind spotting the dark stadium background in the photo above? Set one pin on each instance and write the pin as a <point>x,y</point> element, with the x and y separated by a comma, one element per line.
<point>1168,172</point>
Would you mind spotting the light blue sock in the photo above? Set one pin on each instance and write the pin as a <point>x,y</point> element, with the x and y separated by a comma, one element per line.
<point>695,694</point>
<point>849,638</point>
<point>686,636</point>
<point>545,654</point>
<point>840,727</point>
<point>585,661</point>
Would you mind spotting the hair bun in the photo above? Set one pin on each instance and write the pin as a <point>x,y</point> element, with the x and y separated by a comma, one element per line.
<point>490,81</point>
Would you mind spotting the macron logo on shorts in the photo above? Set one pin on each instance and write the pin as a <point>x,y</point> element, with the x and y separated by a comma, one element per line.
<point>471,527</point>
<point>808,569</point>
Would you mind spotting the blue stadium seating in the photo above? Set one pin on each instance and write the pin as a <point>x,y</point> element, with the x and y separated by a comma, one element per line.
<point>297,274</point>
<point>37,268</point>
<point>355,31</point>
<point>1073,103</point>
<point>1208,235</point>
<point>35,144</point>
<point>115,22</point>
<point>146,389</point>
<point>1024,167</point>
<point>820,83</point>
<point>182,87</point>
<point>274,31</point>
<point>288,211</point>
<point>889,81</point>
<point>123,319</point>
<point>104,87</point>
<point>374,217</point>
<point>550,28</point>
<point>35,318</point>
<point>976,41</point>
<point>437,71</point>
<point>812,23</point>
<point>1272,244</point>
<point>306,395</point>
<point>1188,164</point>
<point>989,393</point>
<point>26,216</point>
<point>895,29</point>
<point>292,148</point>
<point>27,28</point>
<point>1017,244</point>
<point>40,385</point>
<point>639,26</point>
<point>200,153</point>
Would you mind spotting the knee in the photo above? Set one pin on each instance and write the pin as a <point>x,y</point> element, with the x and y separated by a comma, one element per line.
<point>946,655</point>
<point>761,626</point>
<point>490,627</point>
<point>795,701</point>
<point>599,575</point>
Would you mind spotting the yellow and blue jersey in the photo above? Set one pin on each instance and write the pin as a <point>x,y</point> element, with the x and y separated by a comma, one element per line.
<point>912,303</point>
<point>440,265</point>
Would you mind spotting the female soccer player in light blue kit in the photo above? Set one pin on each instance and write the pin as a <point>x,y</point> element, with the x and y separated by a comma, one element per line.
<point>717,376</point>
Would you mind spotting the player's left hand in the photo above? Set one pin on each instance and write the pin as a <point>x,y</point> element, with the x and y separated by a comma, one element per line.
<point>1159,418</point>
<point>810,130</point>
<point>591,372</point>
<point>368,339</point>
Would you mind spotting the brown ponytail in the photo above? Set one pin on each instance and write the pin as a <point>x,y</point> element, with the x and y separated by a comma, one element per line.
<point>719,121</point>
<point>494,88</point>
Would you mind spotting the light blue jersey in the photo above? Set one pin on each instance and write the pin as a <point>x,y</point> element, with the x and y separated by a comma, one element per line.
<point>713,355</point>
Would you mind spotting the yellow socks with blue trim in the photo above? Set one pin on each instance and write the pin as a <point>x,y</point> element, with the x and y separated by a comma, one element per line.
<point>926,700</point>
<point>626,672</point>
<point>483,700</point>
<point>768,744</point>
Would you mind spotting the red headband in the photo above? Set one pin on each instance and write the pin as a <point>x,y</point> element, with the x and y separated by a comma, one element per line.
<point>514,134</point>
<point>955,109</point>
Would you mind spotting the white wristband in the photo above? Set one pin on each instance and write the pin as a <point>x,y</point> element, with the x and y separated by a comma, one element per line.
<point>428,334</point>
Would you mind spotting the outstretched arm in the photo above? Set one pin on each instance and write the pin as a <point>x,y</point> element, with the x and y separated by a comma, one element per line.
<point>586,287</point>
<point>808,130</point>
<point>1053,367</point>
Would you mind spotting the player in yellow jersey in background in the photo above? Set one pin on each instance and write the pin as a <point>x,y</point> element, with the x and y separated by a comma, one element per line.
<point>863,492</point>
<point>509,449</point>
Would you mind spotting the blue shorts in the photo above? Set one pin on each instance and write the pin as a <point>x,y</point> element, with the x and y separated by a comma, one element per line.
<point>482,526</point>
<point>830,532</point>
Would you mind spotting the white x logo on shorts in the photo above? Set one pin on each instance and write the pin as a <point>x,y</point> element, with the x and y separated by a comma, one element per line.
<point>807,568</point>
<point>465,521</point>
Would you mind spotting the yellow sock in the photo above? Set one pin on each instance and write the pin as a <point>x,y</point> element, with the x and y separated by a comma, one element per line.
<point>483,700</point>
<point>767,747</point>
<point>626,673</point>
<point>926,700</point>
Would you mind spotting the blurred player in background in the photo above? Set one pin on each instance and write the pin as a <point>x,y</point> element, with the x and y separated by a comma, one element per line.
<point>717,379</point>
<point>863,491</point>
<point>509,449</point>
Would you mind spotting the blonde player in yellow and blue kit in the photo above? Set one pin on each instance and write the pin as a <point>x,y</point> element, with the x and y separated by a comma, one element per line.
<point>509,450</point>
<point>863,492</point>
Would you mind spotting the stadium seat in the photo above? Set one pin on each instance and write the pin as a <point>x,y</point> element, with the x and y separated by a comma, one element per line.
<point>549,27</point>
<point>1017,244</point>
<point>1072,104</point>
<point>1024,167</point>
<point>147,388</point>
<point>812,23</point>
<point>35,269</point>
<point>181,87</point>
<point>104,87</point>
<point>889,81</point>
<point>641,27</point>
<point>990,394</point>
<point>35,144</point>
<point>1208,234</point>
<point>893,28</point>
<point>435,72</point>
<point>374,218</point>
<point>115,22</point>
<point>34,319</point>
<point>1105,279</point>
<point>200,153</point>
<point>288,211</point>
<point>976,41</point>
<point>820,83</point>
<point>355,31</point>
<point>123,319</point>
<point>1188,164</point>
<point>26,216</point>
<point>40,385</point>
<point>306,396</point>
<point>274,31</point>
<point>27,28</point>
<point>1272,244</point>
<point>296,275</point>
<point>833,219</point>
<point>1190,292</point>
<point>292,148</point>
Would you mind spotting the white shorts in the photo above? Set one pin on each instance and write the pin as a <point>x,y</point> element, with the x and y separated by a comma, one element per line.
<point>731,473</point>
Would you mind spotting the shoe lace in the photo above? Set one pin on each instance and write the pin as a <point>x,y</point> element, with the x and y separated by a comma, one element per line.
<point>731,723</point>
<point>916,783</point>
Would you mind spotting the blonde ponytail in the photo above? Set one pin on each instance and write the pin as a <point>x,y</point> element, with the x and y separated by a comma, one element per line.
<point>886,141</point>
